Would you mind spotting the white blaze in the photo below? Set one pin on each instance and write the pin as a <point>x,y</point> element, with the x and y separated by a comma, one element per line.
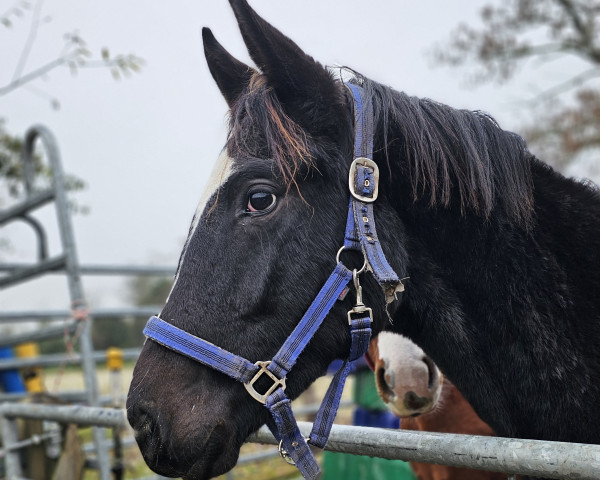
<point>220,174</point>
<point>218,177</point>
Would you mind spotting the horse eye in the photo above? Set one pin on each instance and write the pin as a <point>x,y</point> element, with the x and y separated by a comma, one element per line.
<point>260,201</point>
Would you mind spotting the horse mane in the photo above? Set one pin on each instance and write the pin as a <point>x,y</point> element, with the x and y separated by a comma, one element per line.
<point>453,156</point>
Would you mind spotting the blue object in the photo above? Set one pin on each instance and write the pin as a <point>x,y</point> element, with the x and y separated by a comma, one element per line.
<point>11,379</point>
<point>364,417</point>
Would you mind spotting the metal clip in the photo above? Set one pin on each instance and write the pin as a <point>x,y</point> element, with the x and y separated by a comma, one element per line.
<point>359,308</point>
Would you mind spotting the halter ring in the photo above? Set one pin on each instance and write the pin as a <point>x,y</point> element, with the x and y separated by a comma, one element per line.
<point>284,453</point>
<point>358,272</point>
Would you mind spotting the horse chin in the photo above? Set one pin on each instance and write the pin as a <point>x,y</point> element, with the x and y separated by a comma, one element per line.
<point>399,410</point>
<point>203,469</point>
<point>217,456</point>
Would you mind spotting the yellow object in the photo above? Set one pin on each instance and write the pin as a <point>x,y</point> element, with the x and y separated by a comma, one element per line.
<point>32,376</point>
<point>114,358</point>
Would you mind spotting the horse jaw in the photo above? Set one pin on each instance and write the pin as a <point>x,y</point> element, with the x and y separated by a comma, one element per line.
<point>407,380</point>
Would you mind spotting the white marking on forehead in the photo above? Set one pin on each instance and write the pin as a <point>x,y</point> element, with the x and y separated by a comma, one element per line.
<point>221,172</point>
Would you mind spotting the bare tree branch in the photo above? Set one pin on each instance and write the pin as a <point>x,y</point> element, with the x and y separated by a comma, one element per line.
<point>37,73</point>
<point>570,84</point>
<point>567,115</point>
<point>33,28</point>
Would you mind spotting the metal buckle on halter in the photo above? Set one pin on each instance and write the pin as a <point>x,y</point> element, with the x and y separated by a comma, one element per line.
<point>283,453</point>
<point>365,162</point>
<point>359,308</point>
<point>277,382</point>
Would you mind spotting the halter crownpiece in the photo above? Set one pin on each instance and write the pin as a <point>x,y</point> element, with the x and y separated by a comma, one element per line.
<point>360,236</point>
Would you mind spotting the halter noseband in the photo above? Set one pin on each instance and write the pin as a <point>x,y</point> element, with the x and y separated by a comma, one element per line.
<point>360,236</point>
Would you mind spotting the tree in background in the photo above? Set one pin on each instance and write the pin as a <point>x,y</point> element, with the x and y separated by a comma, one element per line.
<point>74,55</point>
<point>11,184</point>
<point>515,32</point>
<point>127,333</point>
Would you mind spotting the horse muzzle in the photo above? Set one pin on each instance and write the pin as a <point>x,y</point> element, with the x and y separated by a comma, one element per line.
<point>201,454</point>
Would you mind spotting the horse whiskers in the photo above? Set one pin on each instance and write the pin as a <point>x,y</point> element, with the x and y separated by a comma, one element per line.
<point>137,386</point>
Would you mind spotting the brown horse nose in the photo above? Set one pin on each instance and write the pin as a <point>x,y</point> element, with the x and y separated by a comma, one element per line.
<point>412,389</point>
<point>412,401</point>
<point>387,379</point>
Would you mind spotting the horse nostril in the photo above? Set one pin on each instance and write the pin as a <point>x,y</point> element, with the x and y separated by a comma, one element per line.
<point>432,372</point>
<point>140,417</point>
<point>412,401</point>
<point>383,383</point>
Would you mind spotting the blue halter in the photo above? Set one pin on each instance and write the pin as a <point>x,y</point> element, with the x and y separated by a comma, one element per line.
<point>360,236</point>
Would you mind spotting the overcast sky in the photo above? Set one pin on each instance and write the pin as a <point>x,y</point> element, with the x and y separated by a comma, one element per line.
<point>144,145</point>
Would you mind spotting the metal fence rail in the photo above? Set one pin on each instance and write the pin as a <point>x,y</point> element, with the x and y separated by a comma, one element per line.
<point>34,315</point>
<point>67,260</point>
<point>513,456</point>
<point>152,270</point>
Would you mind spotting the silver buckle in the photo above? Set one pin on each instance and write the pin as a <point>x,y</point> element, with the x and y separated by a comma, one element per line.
<point>365,162</point>
<point>277,382</point>
<point>360,310</point>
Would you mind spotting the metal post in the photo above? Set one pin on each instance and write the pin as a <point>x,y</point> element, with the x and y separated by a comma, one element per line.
<point>10,437</point>
<point>114,364</point>
<point>72,269</point>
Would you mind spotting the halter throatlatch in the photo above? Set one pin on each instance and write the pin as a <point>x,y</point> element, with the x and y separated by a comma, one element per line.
<point>361,236</point>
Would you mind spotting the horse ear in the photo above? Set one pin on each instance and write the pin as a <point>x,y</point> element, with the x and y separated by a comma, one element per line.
<point>231,75</point>
<point>307,90</point>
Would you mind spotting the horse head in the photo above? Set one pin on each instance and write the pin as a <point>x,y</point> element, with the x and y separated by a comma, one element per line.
<point>262,242</point>
<point>407,380</point>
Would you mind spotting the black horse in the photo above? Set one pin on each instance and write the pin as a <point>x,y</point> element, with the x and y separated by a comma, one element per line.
<point>502,255</point>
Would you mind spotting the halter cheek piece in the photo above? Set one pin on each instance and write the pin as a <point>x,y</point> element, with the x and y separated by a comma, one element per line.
<point>361,236</point>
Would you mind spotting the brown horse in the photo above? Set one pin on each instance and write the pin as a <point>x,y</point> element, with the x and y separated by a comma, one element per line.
<point>413,388</point>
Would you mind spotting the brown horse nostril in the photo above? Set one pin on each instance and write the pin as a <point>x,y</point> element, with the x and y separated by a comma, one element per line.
<point>432,372</point>
<point>384,387</point>
<point>412,401</point>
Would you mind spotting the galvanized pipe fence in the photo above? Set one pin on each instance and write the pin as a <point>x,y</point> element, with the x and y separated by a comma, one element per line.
<point>76,320</point>
<point>536,458</point>
<point>67,261</point>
